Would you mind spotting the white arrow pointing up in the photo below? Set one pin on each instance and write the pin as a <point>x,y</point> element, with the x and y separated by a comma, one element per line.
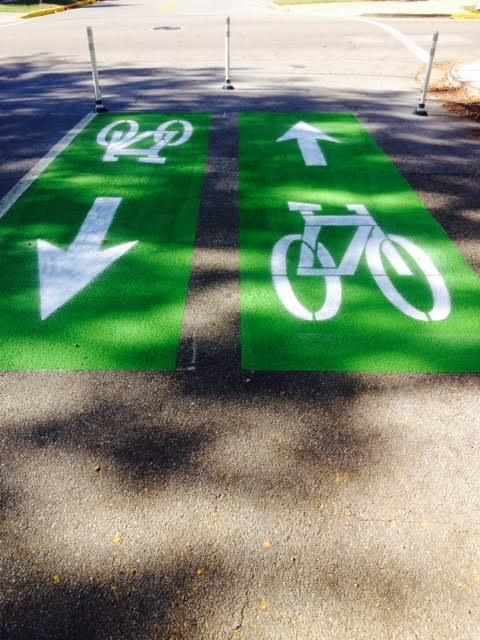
<point>63,274</point>
<point>307,138</point>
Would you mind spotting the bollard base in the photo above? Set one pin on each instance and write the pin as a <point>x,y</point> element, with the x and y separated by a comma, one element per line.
<point>420,110</point>
<point>228,86</point>
<point>100,107</point>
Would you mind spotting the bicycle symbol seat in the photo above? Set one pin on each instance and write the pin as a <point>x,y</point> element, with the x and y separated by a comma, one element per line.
<point>368,239</point>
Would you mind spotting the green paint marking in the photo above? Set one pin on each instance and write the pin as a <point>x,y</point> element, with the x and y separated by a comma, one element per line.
<point>342,267</point>
<point>108,231</point>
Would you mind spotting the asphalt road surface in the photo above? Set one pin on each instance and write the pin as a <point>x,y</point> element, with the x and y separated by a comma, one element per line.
<point>217,503</point>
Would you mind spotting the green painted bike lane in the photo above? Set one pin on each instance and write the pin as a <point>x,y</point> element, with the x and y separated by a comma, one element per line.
<point>96,255</point>
<point>342,267</point>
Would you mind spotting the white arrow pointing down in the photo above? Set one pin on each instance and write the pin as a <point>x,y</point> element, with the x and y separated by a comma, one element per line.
<point>307,138</point>
<point>63,274</point>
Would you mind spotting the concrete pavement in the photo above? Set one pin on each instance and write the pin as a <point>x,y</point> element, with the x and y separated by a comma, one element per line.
<point>216,503</point>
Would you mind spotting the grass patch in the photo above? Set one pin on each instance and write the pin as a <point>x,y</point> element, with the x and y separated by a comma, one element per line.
<point>28,7</point>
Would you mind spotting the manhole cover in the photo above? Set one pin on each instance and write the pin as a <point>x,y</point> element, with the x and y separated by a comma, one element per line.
<point>166,28</point>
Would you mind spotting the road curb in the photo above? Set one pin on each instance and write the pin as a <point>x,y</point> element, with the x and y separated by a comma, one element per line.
<point>47,12</point>
<point>448,11</point>
<point>406,15</point>
<point>466,16</point>
<point>456,79</point>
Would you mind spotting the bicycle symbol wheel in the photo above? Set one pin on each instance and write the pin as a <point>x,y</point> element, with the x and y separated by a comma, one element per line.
<point>380,248</point>
<point>382,245</point>
<point>284,289</point>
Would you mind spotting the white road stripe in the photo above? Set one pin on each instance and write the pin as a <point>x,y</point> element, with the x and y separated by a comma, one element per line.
<point>417,51</point>
<point>22,185</point>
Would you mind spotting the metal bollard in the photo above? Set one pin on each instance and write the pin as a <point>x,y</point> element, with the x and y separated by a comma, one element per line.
<point>228,86</point>
<point>421,110</point>
<point>99,106</point>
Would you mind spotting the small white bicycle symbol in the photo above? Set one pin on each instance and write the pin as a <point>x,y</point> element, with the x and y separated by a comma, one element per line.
<point>368,239</point>
<point>119,137</point>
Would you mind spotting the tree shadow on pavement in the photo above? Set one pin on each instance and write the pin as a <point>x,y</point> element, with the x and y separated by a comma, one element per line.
<point>214,503</point>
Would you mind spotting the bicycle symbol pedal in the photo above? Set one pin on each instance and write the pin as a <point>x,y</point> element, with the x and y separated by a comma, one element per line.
<point>120,137</point>
<point>369,240</point>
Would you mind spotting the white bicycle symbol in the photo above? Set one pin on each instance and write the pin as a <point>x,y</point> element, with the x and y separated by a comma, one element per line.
<point>369,239</point>
<point>120,136</point>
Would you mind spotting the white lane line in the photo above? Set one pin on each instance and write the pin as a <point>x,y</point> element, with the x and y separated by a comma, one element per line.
<point>22,185</point>
<point>417,51</point>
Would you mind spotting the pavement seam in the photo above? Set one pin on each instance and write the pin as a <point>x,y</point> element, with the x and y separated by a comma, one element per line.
<point>246,603</point>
